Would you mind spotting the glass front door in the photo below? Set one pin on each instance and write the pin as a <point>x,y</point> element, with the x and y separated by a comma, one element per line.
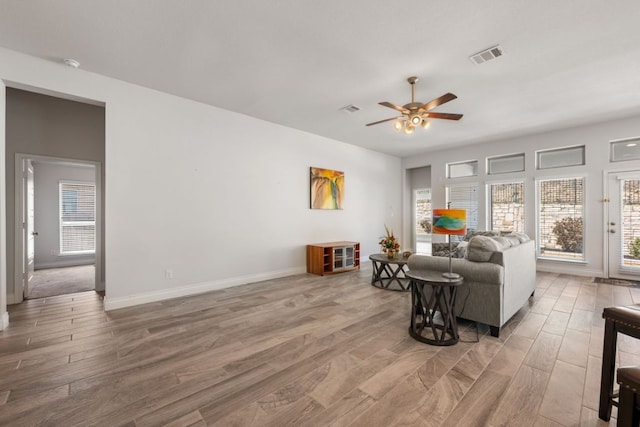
<point>623,225</point>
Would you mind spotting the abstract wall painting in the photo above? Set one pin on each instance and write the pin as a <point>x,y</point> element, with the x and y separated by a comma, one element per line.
<point>327,188</point>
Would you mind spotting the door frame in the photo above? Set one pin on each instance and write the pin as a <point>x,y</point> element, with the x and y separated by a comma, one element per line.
<point>606,212</point>
<point>20,248</point>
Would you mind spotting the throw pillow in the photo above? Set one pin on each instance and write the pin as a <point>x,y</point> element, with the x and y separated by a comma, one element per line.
<point>481,248</point>
<point>488,233</point>
<point>504,242</point>
<point>462,250</point>
<point>513,240</point>
<point>522,237</point>
<point>442,249</point>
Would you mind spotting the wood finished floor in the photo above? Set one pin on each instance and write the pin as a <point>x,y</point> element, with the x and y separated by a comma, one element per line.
<point>304,351</point>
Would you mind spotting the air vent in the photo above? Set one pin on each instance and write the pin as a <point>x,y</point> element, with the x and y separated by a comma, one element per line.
<point>486,55</point>
<point>350,108</point>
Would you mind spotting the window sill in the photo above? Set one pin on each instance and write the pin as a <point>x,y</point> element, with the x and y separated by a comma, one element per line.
<point>77,253</point>
<point>572,261</point>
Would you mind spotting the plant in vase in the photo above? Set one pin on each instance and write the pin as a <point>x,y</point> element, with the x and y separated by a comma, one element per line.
<point>389,244</point>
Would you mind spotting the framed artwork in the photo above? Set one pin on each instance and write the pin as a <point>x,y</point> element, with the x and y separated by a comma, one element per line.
<point>327,188</point>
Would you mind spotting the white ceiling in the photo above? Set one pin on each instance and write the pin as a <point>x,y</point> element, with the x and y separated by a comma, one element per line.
<point>297,62</point>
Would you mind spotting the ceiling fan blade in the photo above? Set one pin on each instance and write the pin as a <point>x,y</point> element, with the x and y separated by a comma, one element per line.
<point>394,106</point>
<point>447,116</point>
<point>438,101</point>
<point>382,121</point>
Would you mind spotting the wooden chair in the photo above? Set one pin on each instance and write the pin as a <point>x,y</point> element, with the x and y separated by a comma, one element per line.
<point>625,320</point>
<point>628,409</point>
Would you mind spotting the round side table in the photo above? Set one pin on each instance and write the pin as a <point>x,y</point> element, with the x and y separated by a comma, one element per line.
<point>389,273</point>
<point>426,326</point>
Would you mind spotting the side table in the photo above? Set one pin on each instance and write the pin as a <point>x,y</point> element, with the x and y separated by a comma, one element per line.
<point>389,273</point>
<point>425,308</point>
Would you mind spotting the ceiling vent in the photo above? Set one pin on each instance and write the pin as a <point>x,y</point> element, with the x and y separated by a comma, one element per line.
<point>350,108</point>
<point>486,55</point>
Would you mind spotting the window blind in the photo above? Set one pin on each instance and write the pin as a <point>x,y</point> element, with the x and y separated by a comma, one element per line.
<point>465,197</point>
<point>507,206</point>
<point>560,218</point>
<point>77,218</point>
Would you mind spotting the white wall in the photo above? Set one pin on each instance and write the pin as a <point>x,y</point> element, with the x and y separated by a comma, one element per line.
<point>595,137</point>
<point>217,197</point>
<point>47,176</point>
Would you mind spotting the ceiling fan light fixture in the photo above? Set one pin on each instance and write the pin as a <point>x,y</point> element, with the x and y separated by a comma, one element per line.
<point>408,128</point>
<point>416,114</point>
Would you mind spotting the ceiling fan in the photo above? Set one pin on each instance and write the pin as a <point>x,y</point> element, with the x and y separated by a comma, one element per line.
<point>417,114</point>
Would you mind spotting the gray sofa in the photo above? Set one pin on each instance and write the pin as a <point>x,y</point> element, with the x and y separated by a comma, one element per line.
<point>499,277</point>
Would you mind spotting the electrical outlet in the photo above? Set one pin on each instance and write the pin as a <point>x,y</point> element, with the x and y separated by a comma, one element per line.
<point>168,274</point>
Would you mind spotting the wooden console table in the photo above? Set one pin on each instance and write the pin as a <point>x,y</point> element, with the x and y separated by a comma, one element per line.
<point>333,257</point>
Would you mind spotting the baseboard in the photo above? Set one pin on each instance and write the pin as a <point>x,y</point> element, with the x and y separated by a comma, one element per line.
<point>569,269</point>
<point>198,288</point>
<point>62,264</point>
<point>4,321</point>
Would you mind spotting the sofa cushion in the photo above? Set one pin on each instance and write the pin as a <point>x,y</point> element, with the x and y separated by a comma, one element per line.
<point>481,248</point>
<point>489,233</point>
<point>522,237</point>
<point>442,249</point>
<point>513,240</point>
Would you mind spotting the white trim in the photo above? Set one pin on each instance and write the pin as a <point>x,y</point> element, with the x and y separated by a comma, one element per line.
<point>19,196</point>
<point>585,220</point>
<point>4,321</point>
<point>626,175</point>
<point>65,263</point>
<point>567,268</point>
<point>198,288</point>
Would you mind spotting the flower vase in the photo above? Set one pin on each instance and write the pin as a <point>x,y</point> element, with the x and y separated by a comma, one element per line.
<point>391,253</point>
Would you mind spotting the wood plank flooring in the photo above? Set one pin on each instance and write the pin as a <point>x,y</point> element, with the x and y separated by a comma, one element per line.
<point>304,351</point>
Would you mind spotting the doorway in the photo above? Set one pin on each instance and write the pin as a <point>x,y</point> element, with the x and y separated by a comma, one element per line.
<point>623,225</point>
<point>57,229</point>
<point>422,220</point>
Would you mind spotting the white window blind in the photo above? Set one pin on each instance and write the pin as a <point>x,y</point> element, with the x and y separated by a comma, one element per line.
<point>77,218</point>
<point>506,204</point>
<point>560,218</point>
<point>465,197</point>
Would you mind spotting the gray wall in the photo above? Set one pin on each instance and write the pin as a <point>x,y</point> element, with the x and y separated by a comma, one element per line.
<point>48,126</point>
<point>420,178</point>
<point>47,177</point>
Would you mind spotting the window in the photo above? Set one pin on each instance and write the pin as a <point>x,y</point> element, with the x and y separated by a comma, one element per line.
<point>77,218</point>
<point>560,218</point>
<point>459,170</point>
<point>464,197</point>
<point>506,205</point>
<point>628,149</point>
<point>560,157</point>
<point>505,164</point>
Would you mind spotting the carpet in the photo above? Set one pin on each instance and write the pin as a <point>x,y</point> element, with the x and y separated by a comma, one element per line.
<point>59,281</point>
